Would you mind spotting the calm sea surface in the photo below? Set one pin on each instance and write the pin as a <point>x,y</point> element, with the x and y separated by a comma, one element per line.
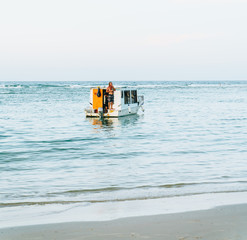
<point>191,139</point>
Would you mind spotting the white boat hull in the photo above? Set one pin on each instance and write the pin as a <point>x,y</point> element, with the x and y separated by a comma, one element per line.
<point>114,113</point>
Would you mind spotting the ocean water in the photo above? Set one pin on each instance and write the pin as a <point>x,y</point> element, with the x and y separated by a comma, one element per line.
<point>191,140</point>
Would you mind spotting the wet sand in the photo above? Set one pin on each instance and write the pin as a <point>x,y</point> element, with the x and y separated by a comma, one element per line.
<point>221,223</point>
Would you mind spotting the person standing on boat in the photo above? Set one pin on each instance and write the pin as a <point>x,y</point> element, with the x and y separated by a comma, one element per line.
<point>110,90</point>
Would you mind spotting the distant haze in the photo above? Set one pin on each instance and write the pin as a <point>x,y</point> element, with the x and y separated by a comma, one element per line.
<point>123,40</point>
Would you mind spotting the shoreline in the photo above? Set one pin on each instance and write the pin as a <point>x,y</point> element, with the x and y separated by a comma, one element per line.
<point>219,223</point>
<point>105,211</point>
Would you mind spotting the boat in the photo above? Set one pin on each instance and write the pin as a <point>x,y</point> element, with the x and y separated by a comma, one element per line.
<point>126,102</point>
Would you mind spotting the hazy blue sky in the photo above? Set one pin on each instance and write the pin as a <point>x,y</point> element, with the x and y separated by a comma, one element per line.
<point>123,40</point>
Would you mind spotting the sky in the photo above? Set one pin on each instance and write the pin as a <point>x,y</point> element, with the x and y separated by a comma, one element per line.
<point>111,40</point>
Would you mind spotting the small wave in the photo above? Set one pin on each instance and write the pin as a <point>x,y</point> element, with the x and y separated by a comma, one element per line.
<point>160,86</point>
<point>12,86</point>
<point>108,189</point>
<point>168,186</point>
<point>156,86</point>
<point>49,85</point>
<point>78,86</point>
<point>75,139</point>
<point>18,204</point>
<point>149,86</point>
<point>162,196</point>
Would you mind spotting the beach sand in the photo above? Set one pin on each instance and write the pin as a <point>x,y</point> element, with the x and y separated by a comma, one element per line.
<point>220,223</point>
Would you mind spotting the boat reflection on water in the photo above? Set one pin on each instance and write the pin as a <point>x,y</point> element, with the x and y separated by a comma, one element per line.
<point>111,123</point>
